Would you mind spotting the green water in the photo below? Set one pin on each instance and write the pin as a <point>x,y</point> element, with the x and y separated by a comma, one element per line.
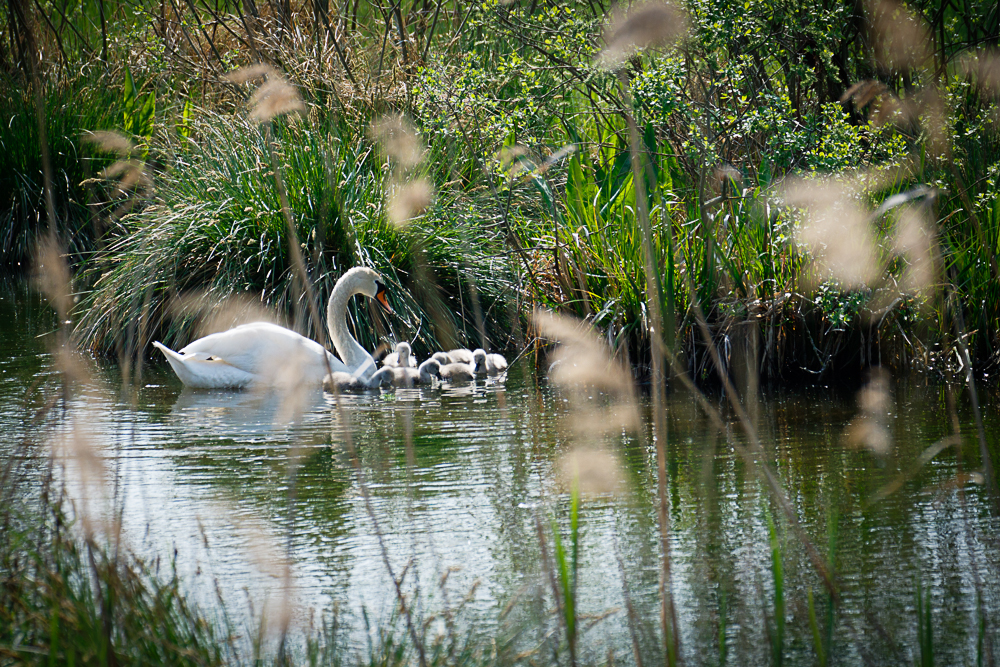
<point>460,480</point>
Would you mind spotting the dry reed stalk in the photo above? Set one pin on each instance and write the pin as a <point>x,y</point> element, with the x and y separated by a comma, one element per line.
<point>603,403</point>
<point>370,509</point>
<point>271,559</point>
<point>649,25</point>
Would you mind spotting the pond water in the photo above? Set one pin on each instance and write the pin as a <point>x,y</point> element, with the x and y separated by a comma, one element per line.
<point>463,481</point>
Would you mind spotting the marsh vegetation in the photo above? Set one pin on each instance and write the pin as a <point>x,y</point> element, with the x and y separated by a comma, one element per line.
<point>667,214</point>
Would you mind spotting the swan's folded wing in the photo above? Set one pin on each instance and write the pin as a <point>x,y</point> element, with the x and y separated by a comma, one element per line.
<point>198,372</point>
<point>263,348</point>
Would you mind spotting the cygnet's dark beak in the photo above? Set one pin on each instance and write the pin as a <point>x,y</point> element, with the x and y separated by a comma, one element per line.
<point>380,296</point>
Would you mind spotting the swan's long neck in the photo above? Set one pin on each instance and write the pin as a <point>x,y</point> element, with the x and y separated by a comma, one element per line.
<point>349,350</point>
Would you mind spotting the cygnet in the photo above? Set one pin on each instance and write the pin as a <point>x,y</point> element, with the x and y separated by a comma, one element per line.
<point>457,372</point>
<point>340,381</point>
<point>409,377</point>
<point>491,364</point>
<point>460,355</point>
<point>401,357</point>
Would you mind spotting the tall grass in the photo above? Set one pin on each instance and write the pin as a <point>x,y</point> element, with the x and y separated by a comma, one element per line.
<point>217,228</point>
<point>74,104</point>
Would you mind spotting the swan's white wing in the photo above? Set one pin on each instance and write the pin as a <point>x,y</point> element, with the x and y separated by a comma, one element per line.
<point>264,348</point>
<point>197,372</point>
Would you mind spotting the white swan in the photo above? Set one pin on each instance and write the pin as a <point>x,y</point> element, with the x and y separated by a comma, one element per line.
<point>402,357</point>
<point>491,364</point>
<point>265,353</point>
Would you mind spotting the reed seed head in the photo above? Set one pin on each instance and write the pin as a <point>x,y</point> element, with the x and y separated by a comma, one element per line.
<point>594,470</point>
<point>900,38</point>
<point>275,97</point>
<point>835,230</point>
<point>398,140</point>
<point>252,73</point>
<point>648,25</point>
<point>583,365</point>
<point>409,201</point>
<point>110,142</point>
<point>870,428</point>
<point>914,240</point>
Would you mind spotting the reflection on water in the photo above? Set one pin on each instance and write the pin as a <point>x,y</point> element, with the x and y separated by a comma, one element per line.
<point>460,479</point>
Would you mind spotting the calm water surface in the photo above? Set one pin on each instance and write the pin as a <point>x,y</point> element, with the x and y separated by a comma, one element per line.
<point>225,484</point>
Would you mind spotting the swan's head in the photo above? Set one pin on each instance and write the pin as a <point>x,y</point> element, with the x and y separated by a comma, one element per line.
<point>403,353</point>
<point>363,280</point>
<point>479,360</point>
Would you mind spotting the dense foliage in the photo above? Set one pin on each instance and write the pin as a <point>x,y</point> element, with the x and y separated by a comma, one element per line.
<point>528,158</point>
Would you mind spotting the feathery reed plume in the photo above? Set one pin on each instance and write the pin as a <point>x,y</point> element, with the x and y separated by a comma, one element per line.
<point>887,106</point>
<point>864,92</point>
<point>914,240</point>
<point>110,142</point>
<point>214,314</point>
<point>275,97</point>
<point>984,67</point>
<point>870,429</point>
<point>835,230</point>
<point>594,471</point>
<point>409,200</point>
<point>74,445</point>
<point>252,73</point>
<point>398,141</point>
<point>510,159</point>
<point>901,40</point>
<point>53,278</point>
<point>582,363</point>
<point>129,170</point>
<point>650,25</point>
<point>272,560</point>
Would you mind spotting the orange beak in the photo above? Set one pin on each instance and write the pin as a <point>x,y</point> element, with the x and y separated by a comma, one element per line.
<point>380,296</point>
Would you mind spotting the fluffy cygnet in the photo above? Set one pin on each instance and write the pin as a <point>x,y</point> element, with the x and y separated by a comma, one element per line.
<point>402,357</point>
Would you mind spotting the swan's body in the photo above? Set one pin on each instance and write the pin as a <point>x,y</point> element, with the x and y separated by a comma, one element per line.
<point>491,364</point>
<point>246,354</point>
<point>265,353</point>
<point>402,357</point>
